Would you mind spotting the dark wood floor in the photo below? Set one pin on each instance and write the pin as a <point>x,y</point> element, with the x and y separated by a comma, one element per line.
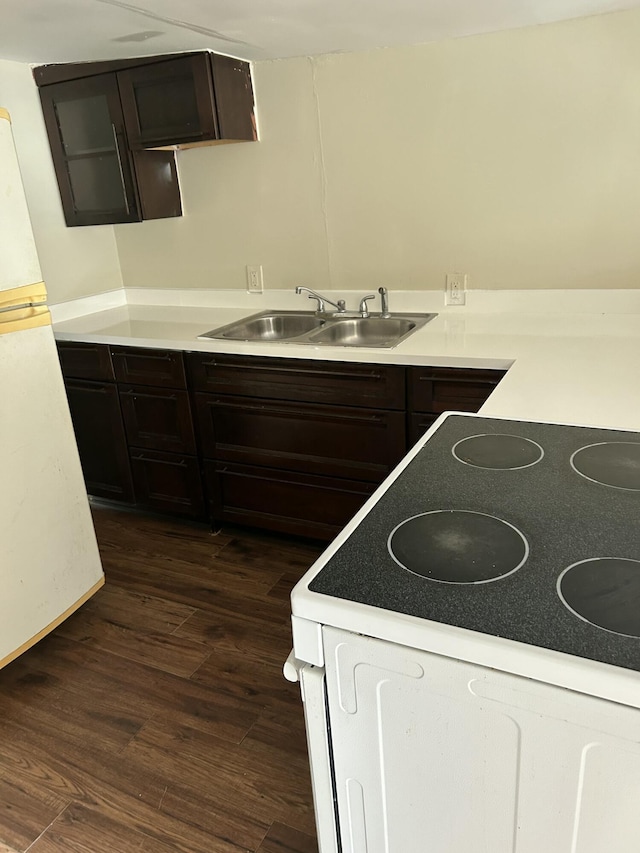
<point>156,719</point>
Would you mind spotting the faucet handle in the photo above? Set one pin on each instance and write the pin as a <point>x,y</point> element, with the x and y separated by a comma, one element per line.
<point>364,311</point>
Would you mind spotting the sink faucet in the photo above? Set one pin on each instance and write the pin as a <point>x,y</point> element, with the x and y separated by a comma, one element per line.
<point>384,302</point>
<point>364,311</point>
<point>340,305</point>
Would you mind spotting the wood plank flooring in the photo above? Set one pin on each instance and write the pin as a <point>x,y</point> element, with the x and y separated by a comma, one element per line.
<point>156,719</point>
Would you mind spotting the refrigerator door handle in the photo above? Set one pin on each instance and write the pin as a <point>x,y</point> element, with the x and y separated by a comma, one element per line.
<point>24,308</point>
<point>24,318</point>
<point>22,297</point>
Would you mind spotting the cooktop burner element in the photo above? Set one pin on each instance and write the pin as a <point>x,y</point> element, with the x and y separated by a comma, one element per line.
<point>458,546</point>
<point>611,463</point>
<point>498,451</point>
<point>604,591</point>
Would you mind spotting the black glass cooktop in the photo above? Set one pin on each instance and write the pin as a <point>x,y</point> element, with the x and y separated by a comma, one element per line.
<point>519,530</point>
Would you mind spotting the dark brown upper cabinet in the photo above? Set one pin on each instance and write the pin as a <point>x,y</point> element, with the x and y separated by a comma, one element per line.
<point>101,180</point>
<point>195,99</point>
<point>110,125</point>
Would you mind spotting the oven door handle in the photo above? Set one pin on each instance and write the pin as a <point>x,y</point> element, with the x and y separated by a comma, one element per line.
<point>291,668</point>
<point>313,689</point>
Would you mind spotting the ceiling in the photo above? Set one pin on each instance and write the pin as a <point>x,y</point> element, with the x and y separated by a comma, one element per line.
<point>41,31</point>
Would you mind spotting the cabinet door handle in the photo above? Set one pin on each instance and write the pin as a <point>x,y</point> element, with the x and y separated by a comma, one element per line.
<point>124,184</point>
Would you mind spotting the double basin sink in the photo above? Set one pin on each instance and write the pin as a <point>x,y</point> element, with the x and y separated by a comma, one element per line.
<point>305,327</point>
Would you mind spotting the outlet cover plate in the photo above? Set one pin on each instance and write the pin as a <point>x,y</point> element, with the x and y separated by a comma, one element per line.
<point>456,289</point>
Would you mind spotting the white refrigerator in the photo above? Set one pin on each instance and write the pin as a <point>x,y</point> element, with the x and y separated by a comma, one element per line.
<point>49,560</point>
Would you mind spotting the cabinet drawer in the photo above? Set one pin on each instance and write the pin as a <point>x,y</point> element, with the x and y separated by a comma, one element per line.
<point>439,389</point>
<point>162,368</point>
<point>85,361</point>
<point>362,444</point>
<point>283,501</point>
<point>95,412</point>
<point>370,385</point>
<point>157,418</point>
<point>168,482</point>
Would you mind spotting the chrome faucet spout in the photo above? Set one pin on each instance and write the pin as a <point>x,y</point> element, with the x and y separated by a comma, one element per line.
<point>340,305</point>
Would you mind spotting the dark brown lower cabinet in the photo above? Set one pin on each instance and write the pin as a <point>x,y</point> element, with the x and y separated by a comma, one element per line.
<point>168,482</point>
<point>102,444</point>
<point>283,501</point>
<point>434,390</point>
<point>136,442</point>
<point>295,446</point>
<point>162,447</point>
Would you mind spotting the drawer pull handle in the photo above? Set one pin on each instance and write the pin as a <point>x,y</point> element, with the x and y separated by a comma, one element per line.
<point>303,374</point>
<point>468,380</point>
<point>83,348</point>
<point>148,396</point>
<point>142,458</point>
<point>88,385</point>
<point>267,409</point>
<point>150,357</point>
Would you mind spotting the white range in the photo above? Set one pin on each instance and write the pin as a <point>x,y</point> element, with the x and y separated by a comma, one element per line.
<point>468,648</point>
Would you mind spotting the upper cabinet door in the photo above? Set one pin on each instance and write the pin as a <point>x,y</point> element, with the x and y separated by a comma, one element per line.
<point>169,102</point>
<point>85,126</point>
<point>195,98</point>
<point>234,98</point>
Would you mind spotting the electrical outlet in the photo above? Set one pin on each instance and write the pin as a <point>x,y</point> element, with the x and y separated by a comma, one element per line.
<point>255,283</point>
<point>455,293</point>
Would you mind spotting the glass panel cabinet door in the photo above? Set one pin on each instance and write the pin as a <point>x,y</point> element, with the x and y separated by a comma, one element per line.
<point>86,133</point>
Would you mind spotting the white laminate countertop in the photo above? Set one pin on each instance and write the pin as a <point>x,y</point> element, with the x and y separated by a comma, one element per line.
<point>579,368</point>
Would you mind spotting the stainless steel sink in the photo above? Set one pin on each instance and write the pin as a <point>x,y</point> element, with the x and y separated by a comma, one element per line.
<point>364,332</point>
<point>305,327</point>
<point>268,326</point>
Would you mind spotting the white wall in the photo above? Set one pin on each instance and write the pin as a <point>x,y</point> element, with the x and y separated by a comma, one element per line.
<point>248,203</point>
<point>513,157</point>
<point>75,261</point>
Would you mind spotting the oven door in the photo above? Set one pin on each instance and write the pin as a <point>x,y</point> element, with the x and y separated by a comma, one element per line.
<point>314,696</point>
